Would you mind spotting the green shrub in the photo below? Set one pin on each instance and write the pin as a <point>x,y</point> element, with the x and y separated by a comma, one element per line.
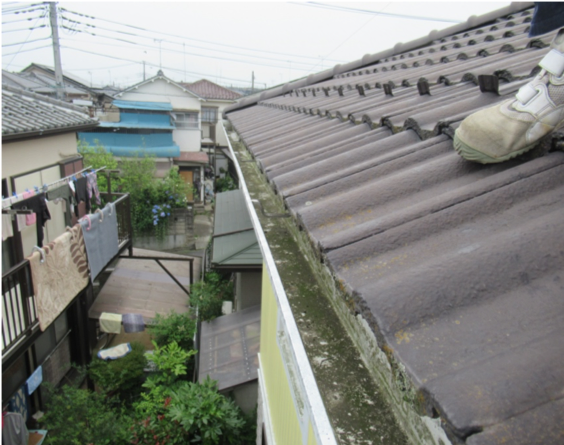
<point>173,327</point>
<point>208,295</point>
<point>78,416</point>
<point>122,376</point>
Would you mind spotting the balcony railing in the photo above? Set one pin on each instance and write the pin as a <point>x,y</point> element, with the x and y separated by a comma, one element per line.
<point>19,315</point>
<point>123,209</point>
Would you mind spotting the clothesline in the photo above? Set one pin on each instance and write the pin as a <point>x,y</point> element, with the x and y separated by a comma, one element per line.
<point>7,202</point>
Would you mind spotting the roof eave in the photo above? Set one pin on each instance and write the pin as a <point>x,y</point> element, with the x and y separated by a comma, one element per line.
<point>46,132</point>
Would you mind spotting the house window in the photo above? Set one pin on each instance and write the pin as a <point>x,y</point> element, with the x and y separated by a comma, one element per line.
<point>209,115</point>
<point>186,120</point>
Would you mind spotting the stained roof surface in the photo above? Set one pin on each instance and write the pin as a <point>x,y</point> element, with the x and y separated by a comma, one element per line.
<point>457,267</point>
<point>209,90</point>
<point>24,112</point>
<point>229,347</point>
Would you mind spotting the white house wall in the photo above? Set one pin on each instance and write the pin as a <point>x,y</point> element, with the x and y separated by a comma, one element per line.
<point>21,156</point>
<point>162,91</point>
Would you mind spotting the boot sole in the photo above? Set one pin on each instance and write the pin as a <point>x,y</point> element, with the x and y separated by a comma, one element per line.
<point>474,155</point>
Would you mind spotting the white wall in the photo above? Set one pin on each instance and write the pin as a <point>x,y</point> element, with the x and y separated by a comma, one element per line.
<point>19,157</point>
<point>160,90</point>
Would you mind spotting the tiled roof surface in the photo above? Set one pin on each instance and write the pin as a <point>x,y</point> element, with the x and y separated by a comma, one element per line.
<point>24,113</point>
<point>209,90</point>
<point>457,267</point>
<point>198,157</point>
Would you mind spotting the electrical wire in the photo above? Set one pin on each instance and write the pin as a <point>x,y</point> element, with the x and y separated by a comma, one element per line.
<point>24,29</point>
<point>26,42</point>
<point>367,11</point>
<point>26,51</point>
<point>149,64</point>
<point>305,67</point>
<point>190,38</point>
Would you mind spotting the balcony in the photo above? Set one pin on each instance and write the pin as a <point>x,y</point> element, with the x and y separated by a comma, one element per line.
<point>19,315</point>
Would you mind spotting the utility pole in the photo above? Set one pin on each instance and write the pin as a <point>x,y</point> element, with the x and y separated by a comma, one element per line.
<point>56,50</point>
<point>143,70</point>
<point>253,83</point>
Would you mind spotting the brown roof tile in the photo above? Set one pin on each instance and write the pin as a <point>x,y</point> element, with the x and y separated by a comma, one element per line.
<point>209,90</point>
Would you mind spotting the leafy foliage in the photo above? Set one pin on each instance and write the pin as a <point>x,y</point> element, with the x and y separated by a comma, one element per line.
<point>208,295</point>
<point>207,416</point>
<point>123,376</point>
<point>78,416</point>
<point>171,362</point>
<point>173,327</point>
<point>225,184</point>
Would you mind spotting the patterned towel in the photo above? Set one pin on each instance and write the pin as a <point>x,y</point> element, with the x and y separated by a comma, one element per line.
<point>115,352</point>
<point>59,273</point>
<point>133,323</point>
<point>110,323</point>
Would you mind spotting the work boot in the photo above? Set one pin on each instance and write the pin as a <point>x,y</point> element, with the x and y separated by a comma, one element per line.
<point>515,126</point>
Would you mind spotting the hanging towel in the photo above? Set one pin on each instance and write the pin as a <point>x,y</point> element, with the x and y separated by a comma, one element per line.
<point>59,272</point>
<point>35,380</point>
<point>14,430</point>
<point>115,352</point>
<point>110,323</point>
<point>133,323</point>
<point>100,233</point>
<point>29,219</point>
<point>92,188</point>
<point>38,204</point>
<point>7,228</point>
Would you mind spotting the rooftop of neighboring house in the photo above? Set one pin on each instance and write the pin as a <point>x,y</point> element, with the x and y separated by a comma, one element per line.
<point>209,90</point>
<point>456,267</point>
<point>26,114</point>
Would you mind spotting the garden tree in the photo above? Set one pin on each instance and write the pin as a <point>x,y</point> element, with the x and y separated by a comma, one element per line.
<point>152,199</point>
<point>173,327</point>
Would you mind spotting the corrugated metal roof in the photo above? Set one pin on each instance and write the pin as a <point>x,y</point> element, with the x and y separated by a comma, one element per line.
<point>234,241</point>
<point>26,114</point>
<point>137,105</point>
<point>457,267</point>
<point>209,90</point>
<point>229,347</point>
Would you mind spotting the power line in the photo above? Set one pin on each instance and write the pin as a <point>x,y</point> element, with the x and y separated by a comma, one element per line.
<point>26,50</point>
<point>24,29</point>
<point>26,42</point>
<point>150,64</point>
<point>190,38</point>
<point>367,11</point>
<point>305,68</point>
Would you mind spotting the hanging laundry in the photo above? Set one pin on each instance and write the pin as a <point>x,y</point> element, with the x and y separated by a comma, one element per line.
<point>81,194</point>
<point>34,380</point>
<point>133,323</point>
<point>29,219</point>
<point>59,272</point>
<point>38,204</point>
<point>7,228</point>
<point>110,323</point>
<point>100,233</point>
<point>92,188</point>
<point>63,192</point>
<point>14,430</point>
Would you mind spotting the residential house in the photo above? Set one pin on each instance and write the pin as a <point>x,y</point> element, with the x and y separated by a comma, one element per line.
<point>410,296</point>
<point>214,142</point>
<point>39,157</point>
<point>195,109</point>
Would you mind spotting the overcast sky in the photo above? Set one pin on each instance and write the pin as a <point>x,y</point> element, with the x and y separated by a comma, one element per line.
<point>225,42</point>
